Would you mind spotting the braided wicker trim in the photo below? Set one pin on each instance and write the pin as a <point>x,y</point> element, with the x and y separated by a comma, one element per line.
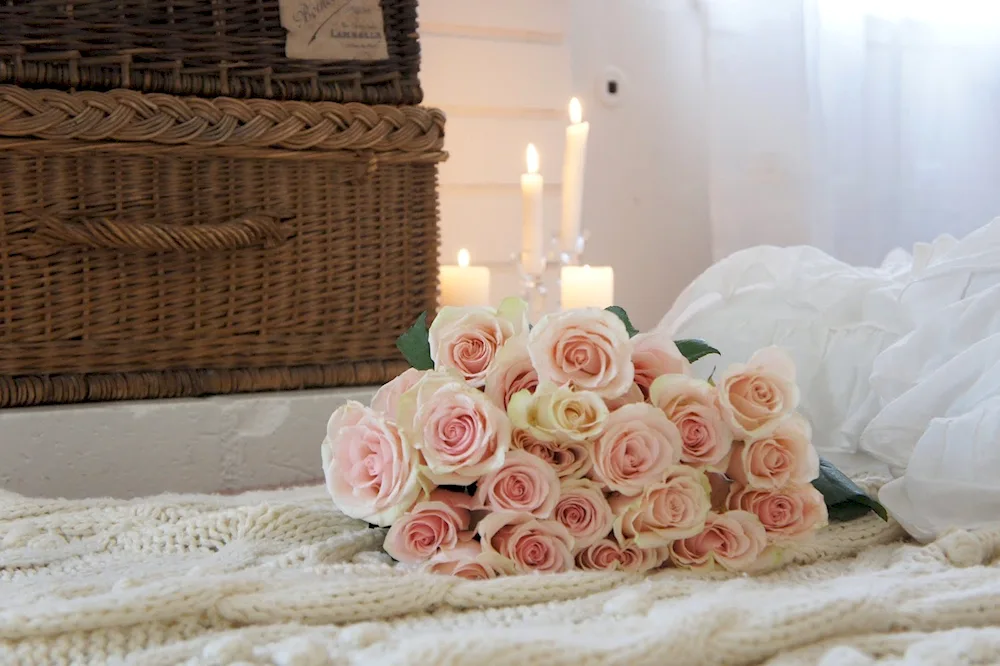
<point>126,115</point>
<point>31,390</point>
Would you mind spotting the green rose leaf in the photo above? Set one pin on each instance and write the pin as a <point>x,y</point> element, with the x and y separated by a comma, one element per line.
<point>693,350</point>
<point>844,499</point>
<point>415,345</point>
<point>621,314</point>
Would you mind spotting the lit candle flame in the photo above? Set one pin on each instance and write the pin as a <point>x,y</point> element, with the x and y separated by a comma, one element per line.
<point>575,111</point>
<point>532,158</point>
<point>463,258</point>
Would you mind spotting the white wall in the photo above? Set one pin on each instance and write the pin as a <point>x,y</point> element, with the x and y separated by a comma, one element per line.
<point>504,72</point>
<point>501,71</point>
<point>646,201</point>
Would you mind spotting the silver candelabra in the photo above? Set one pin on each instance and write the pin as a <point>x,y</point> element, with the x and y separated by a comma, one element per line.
<point>539,289</point>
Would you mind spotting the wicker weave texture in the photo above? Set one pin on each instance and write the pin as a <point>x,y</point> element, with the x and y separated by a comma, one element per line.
<point>124,115</point>
<point>209,48</point>
<point>140,269</point>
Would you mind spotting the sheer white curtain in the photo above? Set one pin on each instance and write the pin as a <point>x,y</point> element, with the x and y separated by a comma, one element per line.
<point>856,126</point>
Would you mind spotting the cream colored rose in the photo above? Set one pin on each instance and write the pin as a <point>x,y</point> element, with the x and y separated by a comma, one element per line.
<point>468,339</point>
<point>655,354</point>
<point>511,372</point>
<point>691,405</point>
<point>460,433</point>
<point>639,444</point>
<point>386,399</point>
<point>757,397</point>
<point>588,349</point>
<point>664,512</point>
<point>785,457</point>
<point>733,540</point>
<point>790,513</point>
<point>558,413</point>
<point>570,460</point>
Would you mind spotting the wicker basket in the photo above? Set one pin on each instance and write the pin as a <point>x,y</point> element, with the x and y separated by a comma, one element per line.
<point>210,246</point>
<point>234,48</point>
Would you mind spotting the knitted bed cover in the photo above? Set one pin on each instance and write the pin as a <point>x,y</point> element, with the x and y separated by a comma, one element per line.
<point>283,578</point>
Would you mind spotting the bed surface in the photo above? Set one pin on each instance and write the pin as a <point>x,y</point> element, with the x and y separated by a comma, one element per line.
<point>280,577</point>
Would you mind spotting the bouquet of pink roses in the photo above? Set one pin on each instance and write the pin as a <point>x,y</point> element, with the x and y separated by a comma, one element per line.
<point>581,443</point>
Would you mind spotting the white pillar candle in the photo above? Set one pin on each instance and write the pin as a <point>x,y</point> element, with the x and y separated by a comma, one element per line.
<point>464,285</point>
<point>587,287</point>
<point>532,225</point>
<point>574,164</point>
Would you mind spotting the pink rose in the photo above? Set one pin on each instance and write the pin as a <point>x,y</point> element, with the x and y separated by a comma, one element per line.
<point>467,339</point>
<point>584,511</point>
<point>570,460</point>
<point>460,432</point>
<point>655,354</point>
<point>607,555</point>
<point>518,543</point>
<point>635,450</point>
<point>511,372</point>
<point>640,560</point>
<point>632,396</point>
<point>732,540</point>
<point>587,349</point>
<point>602,555</point>
<point>370,467</point>
<point>789,513</point>
<point>386,399</point>
<point>755,398</point>
<point>785,457</point>
<point>690,404</point>
<point>429,526</point>
<point>664,512</point>
<point>524,483</point>
<point>463,560</point>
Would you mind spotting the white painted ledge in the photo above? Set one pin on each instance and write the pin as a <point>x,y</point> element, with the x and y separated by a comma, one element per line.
<point>131,449</point>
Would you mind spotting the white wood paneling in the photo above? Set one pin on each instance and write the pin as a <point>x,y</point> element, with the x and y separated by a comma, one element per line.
<point>466,71</point>
<point>486,220</point>
<point>501,71</point>
<point>492,150</point>
<point>548,16</point>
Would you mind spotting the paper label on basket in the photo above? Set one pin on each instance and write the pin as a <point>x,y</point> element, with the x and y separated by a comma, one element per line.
<point>334,29</point>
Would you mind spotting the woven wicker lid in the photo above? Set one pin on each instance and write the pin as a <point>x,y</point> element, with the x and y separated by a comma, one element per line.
<point>129,116</point>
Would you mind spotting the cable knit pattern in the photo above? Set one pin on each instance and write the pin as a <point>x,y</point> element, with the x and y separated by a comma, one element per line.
<point>282,578</point>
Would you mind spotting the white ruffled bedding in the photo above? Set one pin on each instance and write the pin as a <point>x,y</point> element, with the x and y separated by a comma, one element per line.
<point>899,366</point>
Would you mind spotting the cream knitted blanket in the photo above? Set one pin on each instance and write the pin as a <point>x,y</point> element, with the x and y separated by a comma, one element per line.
<point>282,578</point>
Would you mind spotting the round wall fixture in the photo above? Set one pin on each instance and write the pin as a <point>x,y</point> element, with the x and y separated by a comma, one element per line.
<point>611,86</point>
